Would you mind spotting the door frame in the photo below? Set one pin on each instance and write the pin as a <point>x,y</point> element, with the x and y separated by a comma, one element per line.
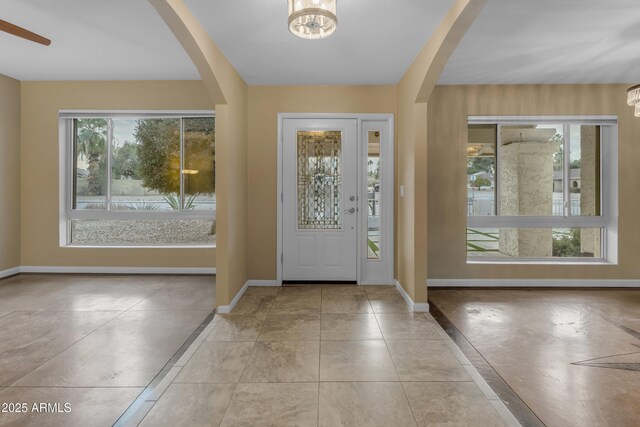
<point>388,208</point>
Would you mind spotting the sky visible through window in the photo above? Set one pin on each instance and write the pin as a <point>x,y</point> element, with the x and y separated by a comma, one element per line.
<point>123,132</point>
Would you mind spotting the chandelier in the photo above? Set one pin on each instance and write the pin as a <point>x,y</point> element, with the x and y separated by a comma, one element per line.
<point>633,98</point>
<point>312,19</point>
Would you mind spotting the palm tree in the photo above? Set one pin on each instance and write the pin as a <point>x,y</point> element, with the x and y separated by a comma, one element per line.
<point>91,137</point>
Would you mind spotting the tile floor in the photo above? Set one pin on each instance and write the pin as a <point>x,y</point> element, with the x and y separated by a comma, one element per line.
<point>94,341</point>
<point>572,356</point>
<point>323,355</point>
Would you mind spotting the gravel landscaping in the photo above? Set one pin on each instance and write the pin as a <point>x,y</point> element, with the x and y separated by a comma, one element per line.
<point>175,232</point>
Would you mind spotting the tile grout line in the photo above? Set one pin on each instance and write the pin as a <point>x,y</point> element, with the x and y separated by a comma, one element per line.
<point>224,414</point>
<point>299,381</point>
<point>404,392</point>
<point>318,382</point>
<point>68,347</point>
<point>117,313</point>
<point>74,387</point>
<point>236,383</point>
<point>120,313</point>
<point>253,347</point>
<point>226,408</point>
<point>151,294</point>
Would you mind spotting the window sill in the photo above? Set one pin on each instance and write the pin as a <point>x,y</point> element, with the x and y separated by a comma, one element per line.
<point>520,261</point>
<point>139,246</point>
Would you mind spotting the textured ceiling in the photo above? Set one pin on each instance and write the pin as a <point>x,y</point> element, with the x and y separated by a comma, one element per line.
<point>550,41</point>
<point>513,41</point>
<point>91,40</point>
<point>375,42</point>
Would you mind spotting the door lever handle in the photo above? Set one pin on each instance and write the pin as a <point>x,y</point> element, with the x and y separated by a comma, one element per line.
<point>352,210</point>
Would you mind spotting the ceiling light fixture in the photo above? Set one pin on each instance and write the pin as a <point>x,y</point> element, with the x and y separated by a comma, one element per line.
<point>312,19</point>
<point>633,98</point>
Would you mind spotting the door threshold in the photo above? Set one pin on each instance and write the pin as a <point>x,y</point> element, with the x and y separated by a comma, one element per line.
<point>318,282</point>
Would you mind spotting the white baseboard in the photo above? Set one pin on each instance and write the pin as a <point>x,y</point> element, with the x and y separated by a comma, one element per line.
<point>263,283</point>
<point>534,283</point>
<point>224,309</point>
<point>9,272</point>
<point>114,270</point>
<point>420,307</point>
<point>376,283</point>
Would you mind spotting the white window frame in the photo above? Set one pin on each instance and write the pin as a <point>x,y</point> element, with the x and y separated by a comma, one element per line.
<point>366,268</point>
<point>66,161</point>
<point>607,221</point>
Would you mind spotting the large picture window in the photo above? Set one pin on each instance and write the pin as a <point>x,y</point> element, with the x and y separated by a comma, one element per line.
<point>139,179</point>
<point>541,189</point>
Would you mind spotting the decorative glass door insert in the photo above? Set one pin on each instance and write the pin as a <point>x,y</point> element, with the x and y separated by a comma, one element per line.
<point>319,190</point>
<point>319,179</point>
<point>336,200</point>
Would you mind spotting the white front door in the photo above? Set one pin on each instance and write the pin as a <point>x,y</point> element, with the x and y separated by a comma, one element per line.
<point>319,200</point>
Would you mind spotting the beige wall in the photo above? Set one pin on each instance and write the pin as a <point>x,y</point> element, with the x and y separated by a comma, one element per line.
<point>228,91</point>
<point>40,103</point>
<point>231,178</point>
<point>9,173</point>
<point>448,111</point>
<point>411,254</point>
<point>265,102</point>
<point>414,92</point>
